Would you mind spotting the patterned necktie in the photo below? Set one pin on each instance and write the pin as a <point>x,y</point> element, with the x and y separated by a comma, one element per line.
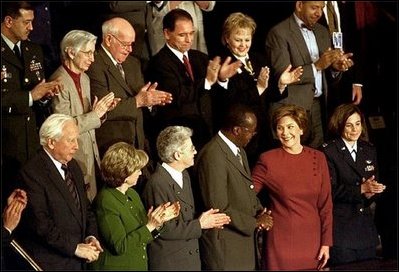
<point>188,67</point>
<point>332,17</point>
<point>239,157</point>
<point>120,68</point>
<point>71,185</point>
<point>17,52</point>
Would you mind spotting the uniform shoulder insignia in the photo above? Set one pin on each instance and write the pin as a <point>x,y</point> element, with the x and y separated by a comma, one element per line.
<point>327,143</point>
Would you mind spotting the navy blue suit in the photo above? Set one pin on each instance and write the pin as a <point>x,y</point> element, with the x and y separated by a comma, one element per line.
<point>354,227</point>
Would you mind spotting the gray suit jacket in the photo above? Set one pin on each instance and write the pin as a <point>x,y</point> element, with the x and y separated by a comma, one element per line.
<point>285,45</point>
<point>68,102</point>
<point>226,185</point>
<point>125,122</point>
<point>177,248</point>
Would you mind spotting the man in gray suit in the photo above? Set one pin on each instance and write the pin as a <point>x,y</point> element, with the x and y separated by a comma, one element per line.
<point>225,184</point>
<point>177,247</point>
<point>300,41</point>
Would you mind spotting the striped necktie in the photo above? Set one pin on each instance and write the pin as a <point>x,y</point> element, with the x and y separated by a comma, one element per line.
<point>71,185</point>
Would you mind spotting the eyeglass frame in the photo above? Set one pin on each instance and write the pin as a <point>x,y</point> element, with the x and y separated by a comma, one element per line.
<point>122,44</point>
<point>89,53</point>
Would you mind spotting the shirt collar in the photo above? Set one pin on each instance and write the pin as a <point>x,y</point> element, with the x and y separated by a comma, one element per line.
<point>349,147</point>
<point>178,54</point>
<point>10,43</point>
<point>229,143</point>
<point>176,175</point>
<point>109,55</point>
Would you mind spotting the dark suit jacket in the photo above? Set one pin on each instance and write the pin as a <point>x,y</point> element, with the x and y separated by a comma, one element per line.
<point>191,105</point>
<point>342,89</point>
<point>52,225</point>
<point>285,45</point>
<point>177,248</point>
<point>125,122</point>
<point>242,89</point>
<point>353,221</point>
<point>19,122</point>
<point>226,185</point>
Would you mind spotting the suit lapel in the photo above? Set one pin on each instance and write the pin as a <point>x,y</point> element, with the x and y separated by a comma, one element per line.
<point>233,160</point>
<point>9,55</point>
<point>114,71</point>
<point>56,178</point>
<point>346,156</point>
<point>180,193</point>
<point>299,40</point>
<point>177,63</point>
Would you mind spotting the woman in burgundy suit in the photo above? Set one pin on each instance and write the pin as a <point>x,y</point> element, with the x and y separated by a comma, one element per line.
<point>298,182</point>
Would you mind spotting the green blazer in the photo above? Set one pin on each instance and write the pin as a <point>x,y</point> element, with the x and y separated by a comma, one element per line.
<point>123,235</point>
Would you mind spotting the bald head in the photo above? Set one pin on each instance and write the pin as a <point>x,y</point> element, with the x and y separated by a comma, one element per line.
<point>116,26</point>
<point>118,38</point>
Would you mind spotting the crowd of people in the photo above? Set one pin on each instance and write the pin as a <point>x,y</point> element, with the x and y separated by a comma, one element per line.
<point>143,152</point>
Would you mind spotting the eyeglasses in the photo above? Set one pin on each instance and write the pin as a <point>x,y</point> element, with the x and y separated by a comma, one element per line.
<point>191,149</point>
<point>124,45</point>
<point>88,53</point>
<point>249,131</point>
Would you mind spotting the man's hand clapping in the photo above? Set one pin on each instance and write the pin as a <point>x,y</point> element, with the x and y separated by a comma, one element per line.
<point>149,96</point>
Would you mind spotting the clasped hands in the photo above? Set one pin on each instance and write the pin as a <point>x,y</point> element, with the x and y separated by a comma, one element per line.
<point>163,213</point>
<point>46,90</point>
<point>212,218</point>
<point>149,96</point>
<point>105,104</point>
<point>89,250</point>
<point>222,72</point>
<point>336,58</point>
<point>264,220</point>
<point>370,187</point>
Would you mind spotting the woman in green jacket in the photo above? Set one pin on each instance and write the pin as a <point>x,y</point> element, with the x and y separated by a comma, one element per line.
<point>125,227</point>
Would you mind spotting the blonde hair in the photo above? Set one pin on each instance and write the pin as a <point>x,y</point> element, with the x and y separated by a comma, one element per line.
<point>120,161</point>
<point>235,21</point>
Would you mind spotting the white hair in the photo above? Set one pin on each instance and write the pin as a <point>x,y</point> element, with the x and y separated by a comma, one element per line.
<point>75,40</point>
<point>170,140</point>
<point>52,127</point>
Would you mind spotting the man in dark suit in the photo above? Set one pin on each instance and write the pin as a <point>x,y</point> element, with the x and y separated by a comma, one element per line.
<point>58,229</point>
<point>114,70</point>
<point>300,41</point>
<point>24,92</point>
<point>225,183</point>
<point>189,76</point>
<point>341,20</point>
<point>171,183</point>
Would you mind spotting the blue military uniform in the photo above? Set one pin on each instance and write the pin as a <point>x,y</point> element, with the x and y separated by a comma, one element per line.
<point>354,227</point>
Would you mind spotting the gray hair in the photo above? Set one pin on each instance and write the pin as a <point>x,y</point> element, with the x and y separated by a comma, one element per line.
<point>75,40</point>
<point>170,140</point>
<point>52,127</point>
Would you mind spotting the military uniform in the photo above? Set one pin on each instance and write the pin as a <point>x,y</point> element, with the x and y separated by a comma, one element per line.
<point>354,228</point>
<point>19,126</point>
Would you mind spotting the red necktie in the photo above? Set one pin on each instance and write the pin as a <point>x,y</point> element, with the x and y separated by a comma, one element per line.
<point>188,67</point>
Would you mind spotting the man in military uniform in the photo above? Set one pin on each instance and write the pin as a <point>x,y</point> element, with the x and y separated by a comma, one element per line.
<point>24,93</point>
